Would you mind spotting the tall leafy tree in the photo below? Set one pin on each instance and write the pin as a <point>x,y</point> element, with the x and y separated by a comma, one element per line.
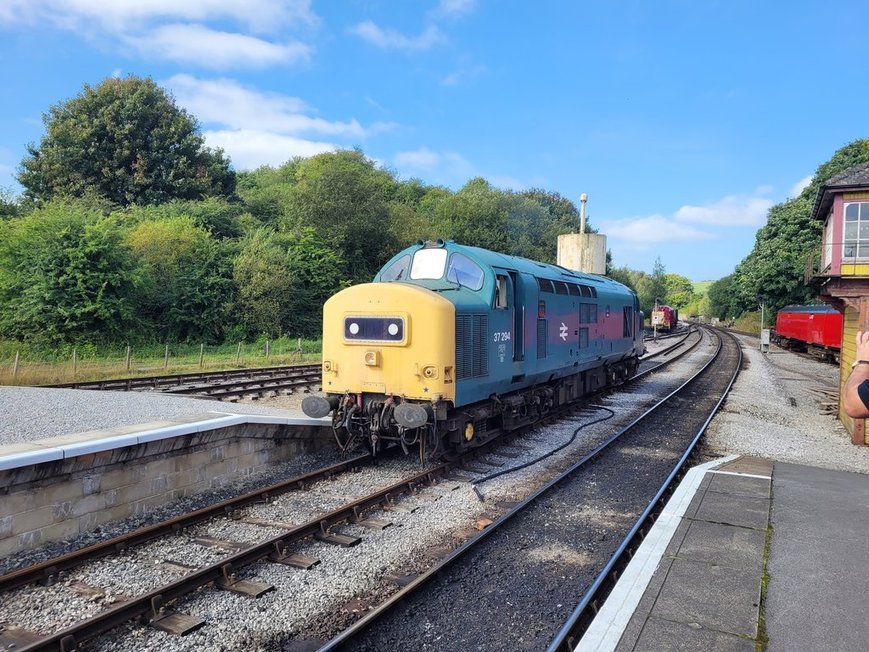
<point>344,198</point>
<point>680,290</point>
<point>282,280</point>
<point>128,141</point>
<point>187,287</point>
<point>66,274</point>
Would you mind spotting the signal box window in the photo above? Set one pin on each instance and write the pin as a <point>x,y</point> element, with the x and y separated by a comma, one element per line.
<point>856,240</point>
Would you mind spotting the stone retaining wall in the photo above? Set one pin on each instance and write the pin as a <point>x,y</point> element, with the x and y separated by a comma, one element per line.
<point>64,498</point>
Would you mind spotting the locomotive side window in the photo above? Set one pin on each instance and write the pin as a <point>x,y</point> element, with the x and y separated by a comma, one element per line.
<point>396,271</point>
<point>428,264</point>
<point>573,288</point>
<point>465,271</point>
<point>560,287</point>
<point>546,285</point>
<point>584,310</point>
<point>592,313</point>
<point>629,322</point>
<point>500,292</point>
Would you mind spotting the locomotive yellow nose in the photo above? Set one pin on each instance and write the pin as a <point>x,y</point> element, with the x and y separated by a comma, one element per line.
<point>390,338</point>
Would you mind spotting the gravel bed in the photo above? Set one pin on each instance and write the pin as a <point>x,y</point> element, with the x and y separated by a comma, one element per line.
<point>42,412</point>
<point>759,418</point>
<point>319,602</point>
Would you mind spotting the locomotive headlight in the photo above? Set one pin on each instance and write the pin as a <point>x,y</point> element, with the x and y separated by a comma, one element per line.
<point>372,358</point>
<point>430,372</point>
<point>328,366</point>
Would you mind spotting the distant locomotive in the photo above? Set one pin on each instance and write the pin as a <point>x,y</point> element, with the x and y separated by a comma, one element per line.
<point>665,317</point>
<point>813,329</point>
<point>451,343</point>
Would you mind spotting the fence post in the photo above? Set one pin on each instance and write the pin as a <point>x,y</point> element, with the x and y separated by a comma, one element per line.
<point>238,353</point>
<point>267,349</point>
<point>166,359</point>
<point>74,362</point>
<point>201,354</point>
<point>129,356</point>
<point>15,368</point>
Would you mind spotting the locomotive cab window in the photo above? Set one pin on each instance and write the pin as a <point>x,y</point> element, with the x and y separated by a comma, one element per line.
<point>428,264</point>
<point>396,271</point>
<point>501,302</point>
<point>464,271</point>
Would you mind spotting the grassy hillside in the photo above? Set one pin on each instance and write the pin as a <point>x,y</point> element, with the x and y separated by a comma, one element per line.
<point>702,287</point>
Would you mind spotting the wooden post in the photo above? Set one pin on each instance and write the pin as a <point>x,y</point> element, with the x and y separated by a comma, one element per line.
<point>238,354</point>
<point>166,359</point>
<point>74,362</point>
<point>267,349</point>
<point>201,354</point>
<point>15,368</point>
<point>129,356</point>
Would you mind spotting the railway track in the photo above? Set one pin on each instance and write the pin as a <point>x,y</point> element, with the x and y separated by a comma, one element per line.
<point>220,385</point>
<point>495,593</point>
<point>229,571</point>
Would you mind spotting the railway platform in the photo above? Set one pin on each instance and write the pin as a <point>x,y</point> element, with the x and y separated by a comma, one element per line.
<point>735,530</point>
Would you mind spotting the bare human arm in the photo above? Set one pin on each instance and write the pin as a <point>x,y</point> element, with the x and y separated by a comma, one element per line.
<point>851,401</point>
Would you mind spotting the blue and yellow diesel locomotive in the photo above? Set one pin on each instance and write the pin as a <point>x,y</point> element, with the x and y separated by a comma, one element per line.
<point>450,344</point>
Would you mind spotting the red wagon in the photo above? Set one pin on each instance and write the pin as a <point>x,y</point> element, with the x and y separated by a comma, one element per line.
<point>815,329</point>
<point>665,317</point>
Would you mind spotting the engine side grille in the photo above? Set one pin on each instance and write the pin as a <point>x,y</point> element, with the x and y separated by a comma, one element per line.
<point>472,351</point>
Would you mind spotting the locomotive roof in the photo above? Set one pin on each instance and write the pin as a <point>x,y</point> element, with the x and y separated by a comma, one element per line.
<point>821,308</point>
<point>542,270</point>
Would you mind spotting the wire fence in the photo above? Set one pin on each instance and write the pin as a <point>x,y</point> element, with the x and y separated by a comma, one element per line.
<point>23,366</point>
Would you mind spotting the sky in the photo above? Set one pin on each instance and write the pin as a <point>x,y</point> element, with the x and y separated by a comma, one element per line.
<point>684,121</point>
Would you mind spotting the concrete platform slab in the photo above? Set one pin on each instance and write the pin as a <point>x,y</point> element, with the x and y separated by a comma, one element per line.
<point>678,637</point>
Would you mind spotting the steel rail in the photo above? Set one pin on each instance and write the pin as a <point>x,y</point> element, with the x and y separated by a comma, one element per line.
<point>150,605</point>
<point>568,637</point>
<point>155,382</point>
<point>46,571</point>
<point>359,627</point>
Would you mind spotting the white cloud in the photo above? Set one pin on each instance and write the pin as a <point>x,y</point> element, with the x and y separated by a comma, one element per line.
<point>453,8</point>
<point>797,189</point>
<point>643,231</point>
<point>388,39</point>
<point>457,77</point>
<point>251,148</point>
<point>506,183</point>
<point>733,210</point>
<point>228,103</point>
<point>261,128</point>
<point>123,15</point>
<point>422,158</point>
<point>212,49</point>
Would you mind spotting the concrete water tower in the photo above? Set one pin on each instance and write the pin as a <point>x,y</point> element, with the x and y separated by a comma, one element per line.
<point>582,252</point>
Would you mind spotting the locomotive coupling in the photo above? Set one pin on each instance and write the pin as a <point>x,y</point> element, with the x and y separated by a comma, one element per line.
<point>317,407</point>
<point>412,415</point>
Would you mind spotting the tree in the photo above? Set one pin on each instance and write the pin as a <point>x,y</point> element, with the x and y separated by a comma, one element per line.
<point>680,290</point>
<point>10,206</point>
<point>66,275</point>
<point>128,141</point>
<point>344,198</point>
<point>187,287</point>
<point>282,281</point>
